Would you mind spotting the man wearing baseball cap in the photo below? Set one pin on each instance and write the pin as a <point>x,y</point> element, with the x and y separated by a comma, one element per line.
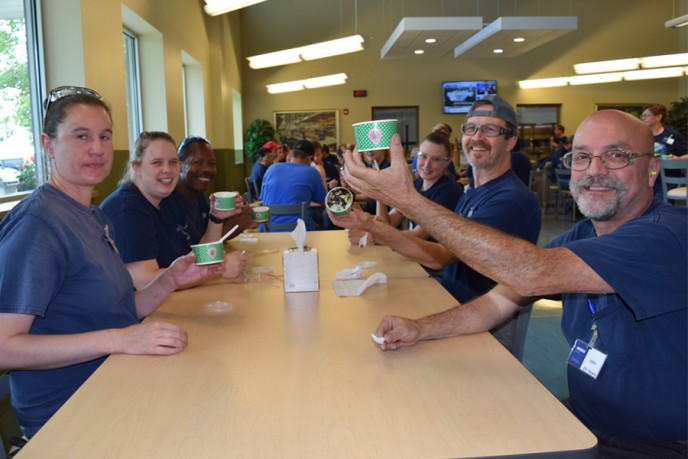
<point>497,199</point>
<point>293,182</point>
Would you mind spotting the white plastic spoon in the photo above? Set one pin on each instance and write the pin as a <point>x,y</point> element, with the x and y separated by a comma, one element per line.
<point>228,233</point>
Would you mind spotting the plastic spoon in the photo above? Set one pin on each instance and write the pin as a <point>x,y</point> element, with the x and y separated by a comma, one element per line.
<point>228,233</point>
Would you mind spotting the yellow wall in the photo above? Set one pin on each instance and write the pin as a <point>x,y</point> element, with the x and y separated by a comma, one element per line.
<point>607,29</point>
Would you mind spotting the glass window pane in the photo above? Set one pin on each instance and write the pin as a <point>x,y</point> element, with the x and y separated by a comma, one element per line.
<point>131,70</point>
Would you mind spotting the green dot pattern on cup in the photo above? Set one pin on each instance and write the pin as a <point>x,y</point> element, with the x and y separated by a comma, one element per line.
<point>207,253</point>
<point>374,135</point>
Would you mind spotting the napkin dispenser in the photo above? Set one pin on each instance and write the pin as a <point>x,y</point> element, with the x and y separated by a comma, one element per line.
<point>300,270</point>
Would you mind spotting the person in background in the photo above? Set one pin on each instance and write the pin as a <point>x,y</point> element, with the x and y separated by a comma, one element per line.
<point>668,142</point>
<point>329,158</point>
<point>520,164</point>
<point>433,183</point>
<point>274,146</point>
<point>151,232</point>
<point>67,301</point>
<point>557,138</point>
<point>557,158</point>
<point>445,130</point>
<point>621,275</point>
<point>328,171</point>
<point>199,169</point>
<point>497,199</point>
<point>293,182</point>
<point>265,159</point>
<point>282,153</point>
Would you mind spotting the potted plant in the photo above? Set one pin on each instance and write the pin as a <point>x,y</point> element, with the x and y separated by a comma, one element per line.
<point>677,117</point>
<point>257,133</point>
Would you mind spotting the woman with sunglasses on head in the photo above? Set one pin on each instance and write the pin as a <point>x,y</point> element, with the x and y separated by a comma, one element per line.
<point>150,231</point>
<point>433,182</point>
<point>67,301</point>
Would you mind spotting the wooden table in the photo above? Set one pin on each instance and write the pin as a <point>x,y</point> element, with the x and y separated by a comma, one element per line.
<point>297,376</point>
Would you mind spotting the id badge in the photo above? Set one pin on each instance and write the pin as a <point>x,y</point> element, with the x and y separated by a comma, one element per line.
<point>586,359</point>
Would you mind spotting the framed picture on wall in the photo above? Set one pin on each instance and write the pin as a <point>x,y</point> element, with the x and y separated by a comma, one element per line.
<point>634,109</point>
<point>320,125</point>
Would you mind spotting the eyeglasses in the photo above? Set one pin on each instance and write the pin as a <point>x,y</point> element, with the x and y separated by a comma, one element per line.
<point>488,130</point>
<point>611,159</point>
<point>434,159</point>
<point>66,91</point>
<point>190,140</point>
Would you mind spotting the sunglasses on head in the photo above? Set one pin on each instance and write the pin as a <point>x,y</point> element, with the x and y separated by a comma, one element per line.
<point>66,91</point>
<point>190,140</point>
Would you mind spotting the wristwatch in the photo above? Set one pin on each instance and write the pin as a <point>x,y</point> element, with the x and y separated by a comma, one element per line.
<point>214,219</point>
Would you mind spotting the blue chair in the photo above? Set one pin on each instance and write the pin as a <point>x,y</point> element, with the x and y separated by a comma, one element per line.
<point>563,192</point>
<point>678,191</point>
<point>300,210</point>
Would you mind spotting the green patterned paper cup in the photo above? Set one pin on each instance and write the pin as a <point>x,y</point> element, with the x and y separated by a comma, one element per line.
<point>339,200</point>
<point>260,214</point>
<point>224,200</point>
<point>374,135</point>
<point>207,254</point>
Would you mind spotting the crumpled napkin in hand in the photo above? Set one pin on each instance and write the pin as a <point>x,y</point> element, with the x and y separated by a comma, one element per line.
<point>357,287</point>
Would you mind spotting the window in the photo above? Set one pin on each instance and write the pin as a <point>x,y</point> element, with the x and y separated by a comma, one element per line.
<point>21,167</point>
<point>194,105</point>
<point>131,71</point>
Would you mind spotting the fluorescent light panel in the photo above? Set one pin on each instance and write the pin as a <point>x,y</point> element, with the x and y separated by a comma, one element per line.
<point>413,33</point>
<point>617,65</point>
<point>500,34</point>
<point>681,21</point>
<point>307,53</point>
<point>632,75</point>
<point>310,83</point>
<point>216,7</point>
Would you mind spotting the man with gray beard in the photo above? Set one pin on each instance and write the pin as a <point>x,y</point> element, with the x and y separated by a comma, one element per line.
<point>622,276</point>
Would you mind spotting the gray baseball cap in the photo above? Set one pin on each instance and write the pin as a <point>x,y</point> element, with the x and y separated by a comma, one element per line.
<point>500,109</point>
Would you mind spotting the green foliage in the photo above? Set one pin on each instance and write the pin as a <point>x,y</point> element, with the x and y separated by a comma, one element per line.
<point>27,177</point>
<point>257,133</point>
<point>677,117</point>
<point>14,77</point>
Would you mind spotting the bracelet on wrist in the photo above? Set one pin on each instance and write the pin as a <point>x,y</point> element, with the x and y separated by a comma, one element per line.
<point>214,219</point>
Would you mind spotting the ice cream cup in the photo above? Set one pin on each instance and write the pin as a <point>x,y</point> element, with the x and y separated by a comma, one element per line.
<point>374,135</point>
<point>339,200</point>
<point>207,254</point>
<point>260,214</point>
<point>224,200</point>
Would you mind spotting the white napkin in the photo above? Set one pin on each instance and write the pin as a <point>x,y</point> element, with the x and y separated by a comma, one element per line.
<point>357,287</point>
<point>363,241</point>
<point>299,234</point>
<point>354,273</point>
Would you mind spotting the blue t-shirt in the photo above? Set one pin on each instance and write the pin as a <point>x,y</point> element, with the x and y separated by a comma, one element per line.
<point>668,142</point>
<point>445,192</point>
<point>57,264</point>
<point>257,175</point>
<point>504,203</point>
<point>196,212</point>
<point>143,232</point>
<point>641,391</point>
<point>291,183</point>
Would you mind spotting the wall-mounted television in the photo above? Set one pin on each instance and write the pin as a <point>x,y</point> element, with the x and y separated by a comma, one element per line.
<point>458,96</point>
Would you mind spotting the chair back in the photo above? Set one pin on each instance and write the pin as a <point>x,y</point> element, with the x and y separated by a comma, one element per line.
<point>519,341</point>
<point>300,210</point>
<point>251,189</point>
<point>563,178</point>
<point>674,186</point>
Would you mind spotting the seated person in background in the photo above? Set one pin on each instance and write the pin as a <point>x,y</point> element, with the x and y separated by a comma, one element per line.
<point>557,157</point>
<point>445,130</point>
<point>668,142</point>
<point>66,299</point>
<point>328,171</point>
<point>622,276</point>
<point>265,158</point>
<point>557,138</point>
<point>433,183</point>
<point>376,159</point>
<point>497,199</point>
<point>151,232</point>
<point>199,169</point>
<point>329,158</point>
<point>282,154</point>
<point>293,182</point>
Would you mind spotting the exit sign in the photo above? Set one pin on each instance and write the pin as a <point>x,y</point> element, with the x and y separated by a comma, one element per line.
<point>360,93</point>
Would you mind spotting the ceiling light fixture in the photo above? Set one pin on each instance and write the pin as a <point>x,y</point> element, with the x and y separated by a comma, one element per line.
<point>681,21</point>
<point>543,83</point>
<point>412,32</point>
<point>651,74</point>
<point>418,51</point>
<point>519,40</point>
<point>535,30</point>
<point>595,78</point>
<point>498,51</point>
<point>310,83</point>
<point>217,7</point>
<point>307,53</point>
<point>666,60</point>
<point>635,63</point>
<point>430,40</point>
<point>610,77</point>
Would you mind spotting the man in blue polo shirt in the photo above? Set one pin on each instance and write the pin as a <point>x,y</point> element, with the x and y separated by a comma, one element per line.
<point>621,275</point>
<point>496,198</point>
